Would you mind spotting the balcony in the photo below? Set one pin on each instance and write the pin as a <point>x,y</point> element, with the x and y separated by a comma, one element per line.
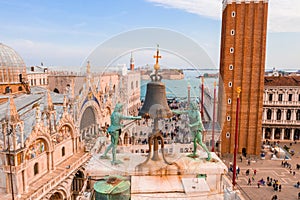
<point>281,122</point>
<point>281,103</point>
<point>49,181</point>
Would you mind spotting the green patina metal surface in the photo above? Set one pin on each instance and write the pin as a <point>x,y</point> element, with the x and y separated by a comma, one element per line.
<point>112,188</point>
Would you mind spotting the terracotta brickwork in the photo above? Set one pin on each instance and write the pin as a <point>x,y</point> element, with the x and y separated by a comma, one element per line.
<point>242,64</point>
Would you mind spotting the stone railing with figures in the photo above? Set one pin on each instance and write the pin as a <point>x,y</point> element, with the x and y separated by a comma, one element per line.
<point>40,192</point>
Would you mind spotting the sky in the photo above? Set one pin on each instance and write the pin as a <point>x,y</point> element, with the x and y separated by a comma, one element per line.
<point>63,34</point>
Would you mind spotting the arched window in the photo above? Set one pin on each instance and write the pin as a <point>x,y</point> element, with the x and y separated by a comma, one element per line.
<point>270,97</point>
<point>277,134</point>
<point>278,114</point>
<point>287,134</point>
<point>290,97</point>
<point>228,118</point>
<point>269,114</point>
<point>280,97</point>
<point>229,100</point>
<point>20,88</point>
<point>232,32</point>
<point>233,14</point>
<point>36,168</point>
<point>7,90</point>
<point>63,152</point>
<point>268,133</point>
<point>288,114</point>
<point>298,115</point>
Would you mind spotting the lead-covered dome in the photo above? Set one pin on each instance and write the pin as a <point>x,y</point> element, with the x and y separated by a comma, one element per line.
<point>11,65</point>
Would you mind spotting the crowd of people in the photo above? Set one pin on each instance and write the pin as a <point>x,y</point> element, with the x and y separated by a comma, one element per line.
<point>273,183</point>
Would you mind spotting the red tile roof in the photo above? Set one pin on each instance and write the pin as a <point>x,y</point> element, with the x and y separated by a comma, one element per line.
<point>282,80</point>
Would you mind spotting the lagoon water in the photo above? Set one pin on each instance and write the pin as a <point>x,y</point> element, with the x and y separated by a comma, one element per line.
<point>179,88</point>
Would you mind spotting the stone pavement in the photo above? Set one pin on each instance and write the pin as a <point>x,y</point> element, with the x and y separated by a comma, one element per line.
<point>274,170</point>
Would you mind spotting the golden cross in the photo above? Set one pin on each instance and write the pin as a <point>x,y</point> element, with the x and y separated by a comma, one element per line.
<point>157,56</point>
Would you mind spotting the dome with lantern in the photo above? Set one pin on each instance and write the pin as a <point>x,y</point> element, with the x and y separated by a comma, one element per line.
<point>12,66</point>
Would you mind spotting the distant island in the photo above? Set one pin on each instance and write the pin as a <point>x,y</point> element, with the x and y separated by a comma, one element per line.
<point>209,75</point>
<point>169,74</point>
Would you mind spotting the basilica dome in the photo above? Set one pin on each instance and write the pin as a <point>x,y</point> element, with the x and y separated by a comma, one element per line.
<point>12,66</point>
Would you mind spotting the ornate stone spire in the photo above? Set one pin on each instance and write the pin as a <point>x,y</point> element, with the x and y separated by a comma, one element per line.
<point>48,104</point>
<point>88,68</point>
<point>12,114</point>
<point>89,80</point>
<point>65,103</point>
<point>37,113</point>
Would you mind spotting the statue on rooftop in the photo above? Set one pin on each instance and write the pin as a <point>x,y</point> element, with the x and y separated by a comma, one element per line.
<point>114,130</point>
<point>196,128</point>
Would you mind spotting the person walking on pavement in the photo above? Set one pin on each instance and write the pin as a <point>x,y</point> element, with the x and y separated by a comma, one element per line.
<point>249,181</point>
<point>275,197</point>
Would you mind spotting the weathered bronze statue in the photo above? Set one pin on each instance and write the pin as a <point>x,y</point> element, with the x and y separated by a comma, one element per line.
<point>196,128</point>
<point>114,130</point>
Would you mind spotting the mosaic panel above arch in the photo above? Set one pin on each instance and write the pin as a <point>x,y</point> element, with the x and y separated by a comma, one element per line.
<point>35,149</point>
<point>64,133</point>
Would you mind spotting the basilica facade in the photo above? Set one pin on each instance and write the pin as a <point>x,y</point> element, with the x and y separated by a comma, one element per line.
<point>46,133</point>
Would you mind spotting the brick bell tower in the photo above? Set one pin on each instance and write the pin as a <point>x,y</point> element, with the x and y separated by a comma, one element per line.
<point>242,64</point>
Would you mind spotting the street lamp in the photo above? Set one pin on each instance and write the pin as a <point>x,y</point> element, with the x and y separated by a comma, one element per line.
<point>238,90</point>
<point>214,120</point>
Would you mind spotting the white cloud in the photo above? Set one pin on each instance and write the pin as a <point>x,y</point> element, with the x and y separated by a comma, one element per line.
<point>208,8</point>
<point>284,15</point>
<point>51,54</point>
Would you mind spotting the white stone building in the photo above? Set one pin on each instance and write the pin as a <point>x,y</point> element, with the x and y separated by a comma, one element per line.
<point>37,76</point>
<point>281,108</point>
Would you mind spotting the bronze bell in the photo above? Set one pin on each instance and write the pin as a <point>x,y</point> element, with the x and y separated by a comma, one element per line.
<point>155,104</point>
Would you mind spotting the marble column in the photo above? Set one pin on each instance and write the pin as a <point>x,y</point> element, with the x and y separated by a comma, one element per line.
<point>293,117</point>
<point>24,173</point>
<point>264,114</point>
<point>292,134</point>
<point>282,134</point>
<point>274,114</point>
<point>273,134</point>
<point>52,161</point>
<point>263,133</point>
<point>283,115</point>
<point>48,161</point>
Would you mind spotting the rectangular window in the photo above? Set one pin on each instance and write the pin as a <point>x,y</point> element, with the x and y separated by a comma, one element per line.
<point>290,97</point>
<point>298,97</point>
<point>270,97</point>
<point>280,97</point>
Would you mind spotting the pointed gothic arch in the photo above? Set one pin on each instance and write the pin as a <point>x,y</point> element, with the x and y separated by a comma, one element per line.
<point>77,184</point>
<point>41,134</point>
